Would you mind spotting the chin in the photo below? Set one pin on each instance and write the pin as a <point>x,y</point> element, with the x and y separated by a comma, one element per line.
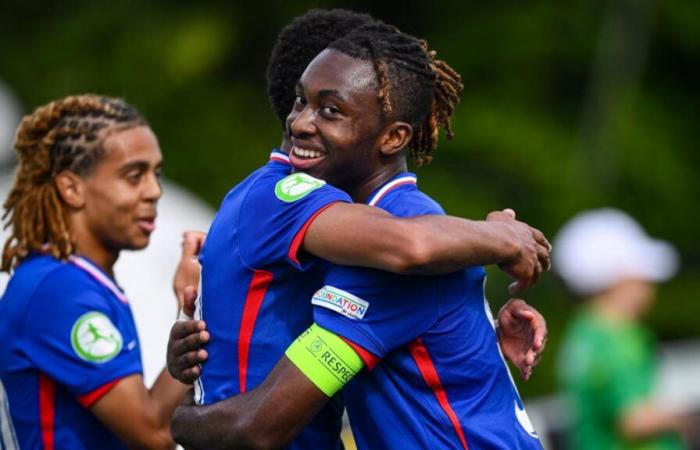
<point>138,244</point>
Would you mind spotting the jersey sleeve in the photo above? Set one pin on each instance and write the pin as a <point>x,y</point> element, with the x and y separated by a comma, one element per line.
<point>74,335</point>
<point>375,311</point>
<point>276,214</point>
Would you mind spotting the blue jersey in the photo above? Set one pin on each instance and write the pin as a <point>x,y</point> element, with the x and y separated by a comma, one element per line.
<point>437,378</point>
<point>68,337</point>
<point>256,284</point>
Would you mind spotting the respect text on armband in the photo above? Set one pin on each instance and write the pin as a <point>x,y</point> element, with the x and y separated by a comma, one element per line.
<point>329,359</point>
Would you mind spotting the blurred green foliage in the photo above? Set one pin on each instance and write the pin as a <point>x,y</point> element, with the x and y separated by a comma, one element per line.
<point>567,106</point>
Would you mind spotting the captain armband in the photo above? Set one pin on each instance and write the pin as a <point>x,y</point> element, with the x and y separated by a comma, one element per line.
<point>327,360</point>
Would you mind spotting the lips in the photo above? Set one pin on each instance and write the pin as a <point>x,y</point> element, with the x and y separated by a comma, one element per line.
<point>147,224</point>
<point>306,153</point>
<point>305,158</point>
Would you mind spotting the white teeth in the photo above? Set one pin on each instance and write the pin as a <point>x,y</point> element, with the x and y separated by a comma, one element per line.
<point>304,153</point>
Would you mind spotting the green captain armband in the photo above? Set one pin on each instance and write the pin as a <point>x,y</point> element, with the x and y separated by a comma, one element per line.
<point>327,360</point>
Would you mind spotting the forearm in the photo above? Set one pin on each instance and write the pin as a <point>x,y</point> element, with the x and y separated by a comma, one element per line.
<point>450,243</point>
<point>646,420</point>
<point>166,394</point>
<point>358,235</point>
<point>209,427</point>
<point>267,417</point>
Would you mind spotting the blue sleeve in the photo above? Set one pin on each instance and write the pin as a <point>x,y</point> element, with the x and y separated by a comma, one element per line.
<point>75,334</point>
<point>276,214</point>
<point>376,310</point>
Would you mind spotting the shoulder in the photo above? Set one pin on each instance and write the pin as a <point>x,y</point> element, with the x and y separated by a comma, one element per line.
<point>276,190</point>
<point>66,287</point>
<point>409,201</point>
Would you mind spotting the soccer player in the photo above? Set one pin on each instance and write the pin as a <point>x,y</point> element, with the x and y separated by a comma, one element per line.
<point>440,361</point>
<point>86,188</point>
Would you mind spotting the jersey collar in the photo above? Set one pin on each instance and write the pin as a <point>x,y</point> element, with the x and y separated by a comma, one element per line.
<point>396,181</point>
<point>279,156</point>
<point>96,273</point>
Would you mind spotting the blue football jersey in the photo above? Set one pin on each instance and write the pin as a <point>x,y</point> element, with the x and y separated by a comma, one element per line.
<point>436,377</point>
<point>256,284</point>
<point>68,337</point>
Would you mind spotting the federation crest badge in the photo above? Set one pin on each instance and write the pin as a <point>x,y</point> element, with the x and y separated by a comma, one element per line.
<point>296,186</point>
<point>94,338</point>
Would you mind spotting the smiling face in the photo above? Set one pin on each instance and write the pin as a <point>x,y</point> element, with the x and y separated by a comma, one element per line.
<point>121,193</point>
<point>336,125</point>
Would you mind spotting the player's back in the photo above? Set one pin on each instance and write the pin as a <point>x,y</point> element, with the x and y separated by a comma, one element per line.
<point>438,380</point>
<point>256,281</point>
<point>63,333</point>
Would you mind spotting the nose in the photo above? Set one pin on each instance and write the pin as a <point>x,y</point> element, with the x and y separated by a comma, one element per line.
<point>152,190</point>
<point>301,124</point>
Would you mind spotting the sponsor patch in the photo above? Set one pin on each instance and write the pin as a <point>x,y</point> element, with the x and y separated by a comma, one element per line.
<point>295,186</point>
<point>341,302</point>
<point>94,338</point>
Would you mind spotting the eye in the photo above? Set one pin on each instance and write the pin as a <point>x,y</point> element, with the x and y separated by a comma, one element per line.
<point>330,111</point>
<point>299,101</point>
<point>134,176</point>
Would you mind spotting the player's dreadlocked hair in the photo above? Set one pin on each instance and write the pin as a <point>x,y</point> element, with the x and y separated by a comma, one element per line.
<point>66,134</point>
<point>414,86</point>
<point>298,44</point>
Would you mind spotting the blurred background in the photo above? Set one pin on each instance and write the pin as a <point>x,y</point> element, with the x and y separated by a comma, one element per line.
<point>567,106</point>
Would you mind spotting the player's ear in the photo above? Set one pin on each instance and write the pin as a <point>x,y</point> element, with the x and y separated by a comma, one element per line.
<point>71,188</point>
<point>396,137</point>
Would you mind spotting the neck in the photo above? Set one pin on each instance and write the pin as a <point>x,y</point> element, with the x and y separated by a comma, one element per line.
<point>361,193</point>
<point>89,246</point>
<point>614,308</point>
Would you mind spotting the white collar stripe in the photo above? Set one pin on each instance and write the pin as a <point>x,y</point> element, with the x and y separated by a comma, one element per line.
<point>409,179</point>
<point>277,156</point>
<point>99,276</point>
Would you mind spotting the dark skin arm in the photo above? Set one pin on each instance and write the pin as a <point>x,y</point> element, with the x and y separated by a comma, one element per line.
<point>268,417</point>
<point>359,235</point>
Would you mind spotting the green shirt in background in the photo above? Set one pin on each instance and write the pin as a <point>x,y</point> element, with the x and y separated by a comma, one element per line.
<point>604,368</point>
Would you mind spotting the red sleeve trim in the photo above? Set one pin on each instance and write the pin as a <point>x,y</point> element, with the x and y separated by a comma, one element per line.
<point>299,237</point>
<point>89,399</point>
<point>369,359</point>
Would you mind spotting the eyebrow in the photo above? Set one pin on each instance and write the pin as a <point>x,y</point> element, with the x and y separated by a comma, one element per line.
<point>141,165</point>
<point>323,93</point>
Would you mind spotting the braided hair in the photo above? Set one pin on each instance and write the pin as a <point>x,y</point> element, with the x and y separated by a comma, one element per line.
<point>66,134</point>
<point>298,44</point>
<point>413,85</point>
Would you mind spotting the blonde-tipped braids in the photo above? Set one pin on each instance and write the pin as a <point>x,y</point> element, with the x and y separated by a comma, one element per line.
<point>413,85</point>
<point>66,134</point>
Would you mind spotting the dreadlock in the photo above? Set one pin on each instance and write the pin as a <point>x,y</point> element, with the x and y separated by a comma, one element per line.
<point>297,44</point>
<point>66,134</point>
<point>413,85</point>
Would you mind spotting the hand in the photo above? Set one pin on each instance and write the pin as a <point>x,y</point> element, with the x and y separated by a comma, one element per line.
<point>532,251</point>
<point>185,350</point>
<point>186,277</point>
<point>522,334</point>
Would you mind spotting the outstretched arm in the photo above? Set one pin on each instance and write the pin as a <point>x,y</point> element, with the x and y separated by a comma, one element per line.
<point>359,235</point>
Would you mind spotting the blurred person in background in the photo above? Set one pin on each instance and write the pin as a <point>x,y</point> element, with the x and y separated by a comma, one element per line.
<point>607,363</point>
<point>86,188</point>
